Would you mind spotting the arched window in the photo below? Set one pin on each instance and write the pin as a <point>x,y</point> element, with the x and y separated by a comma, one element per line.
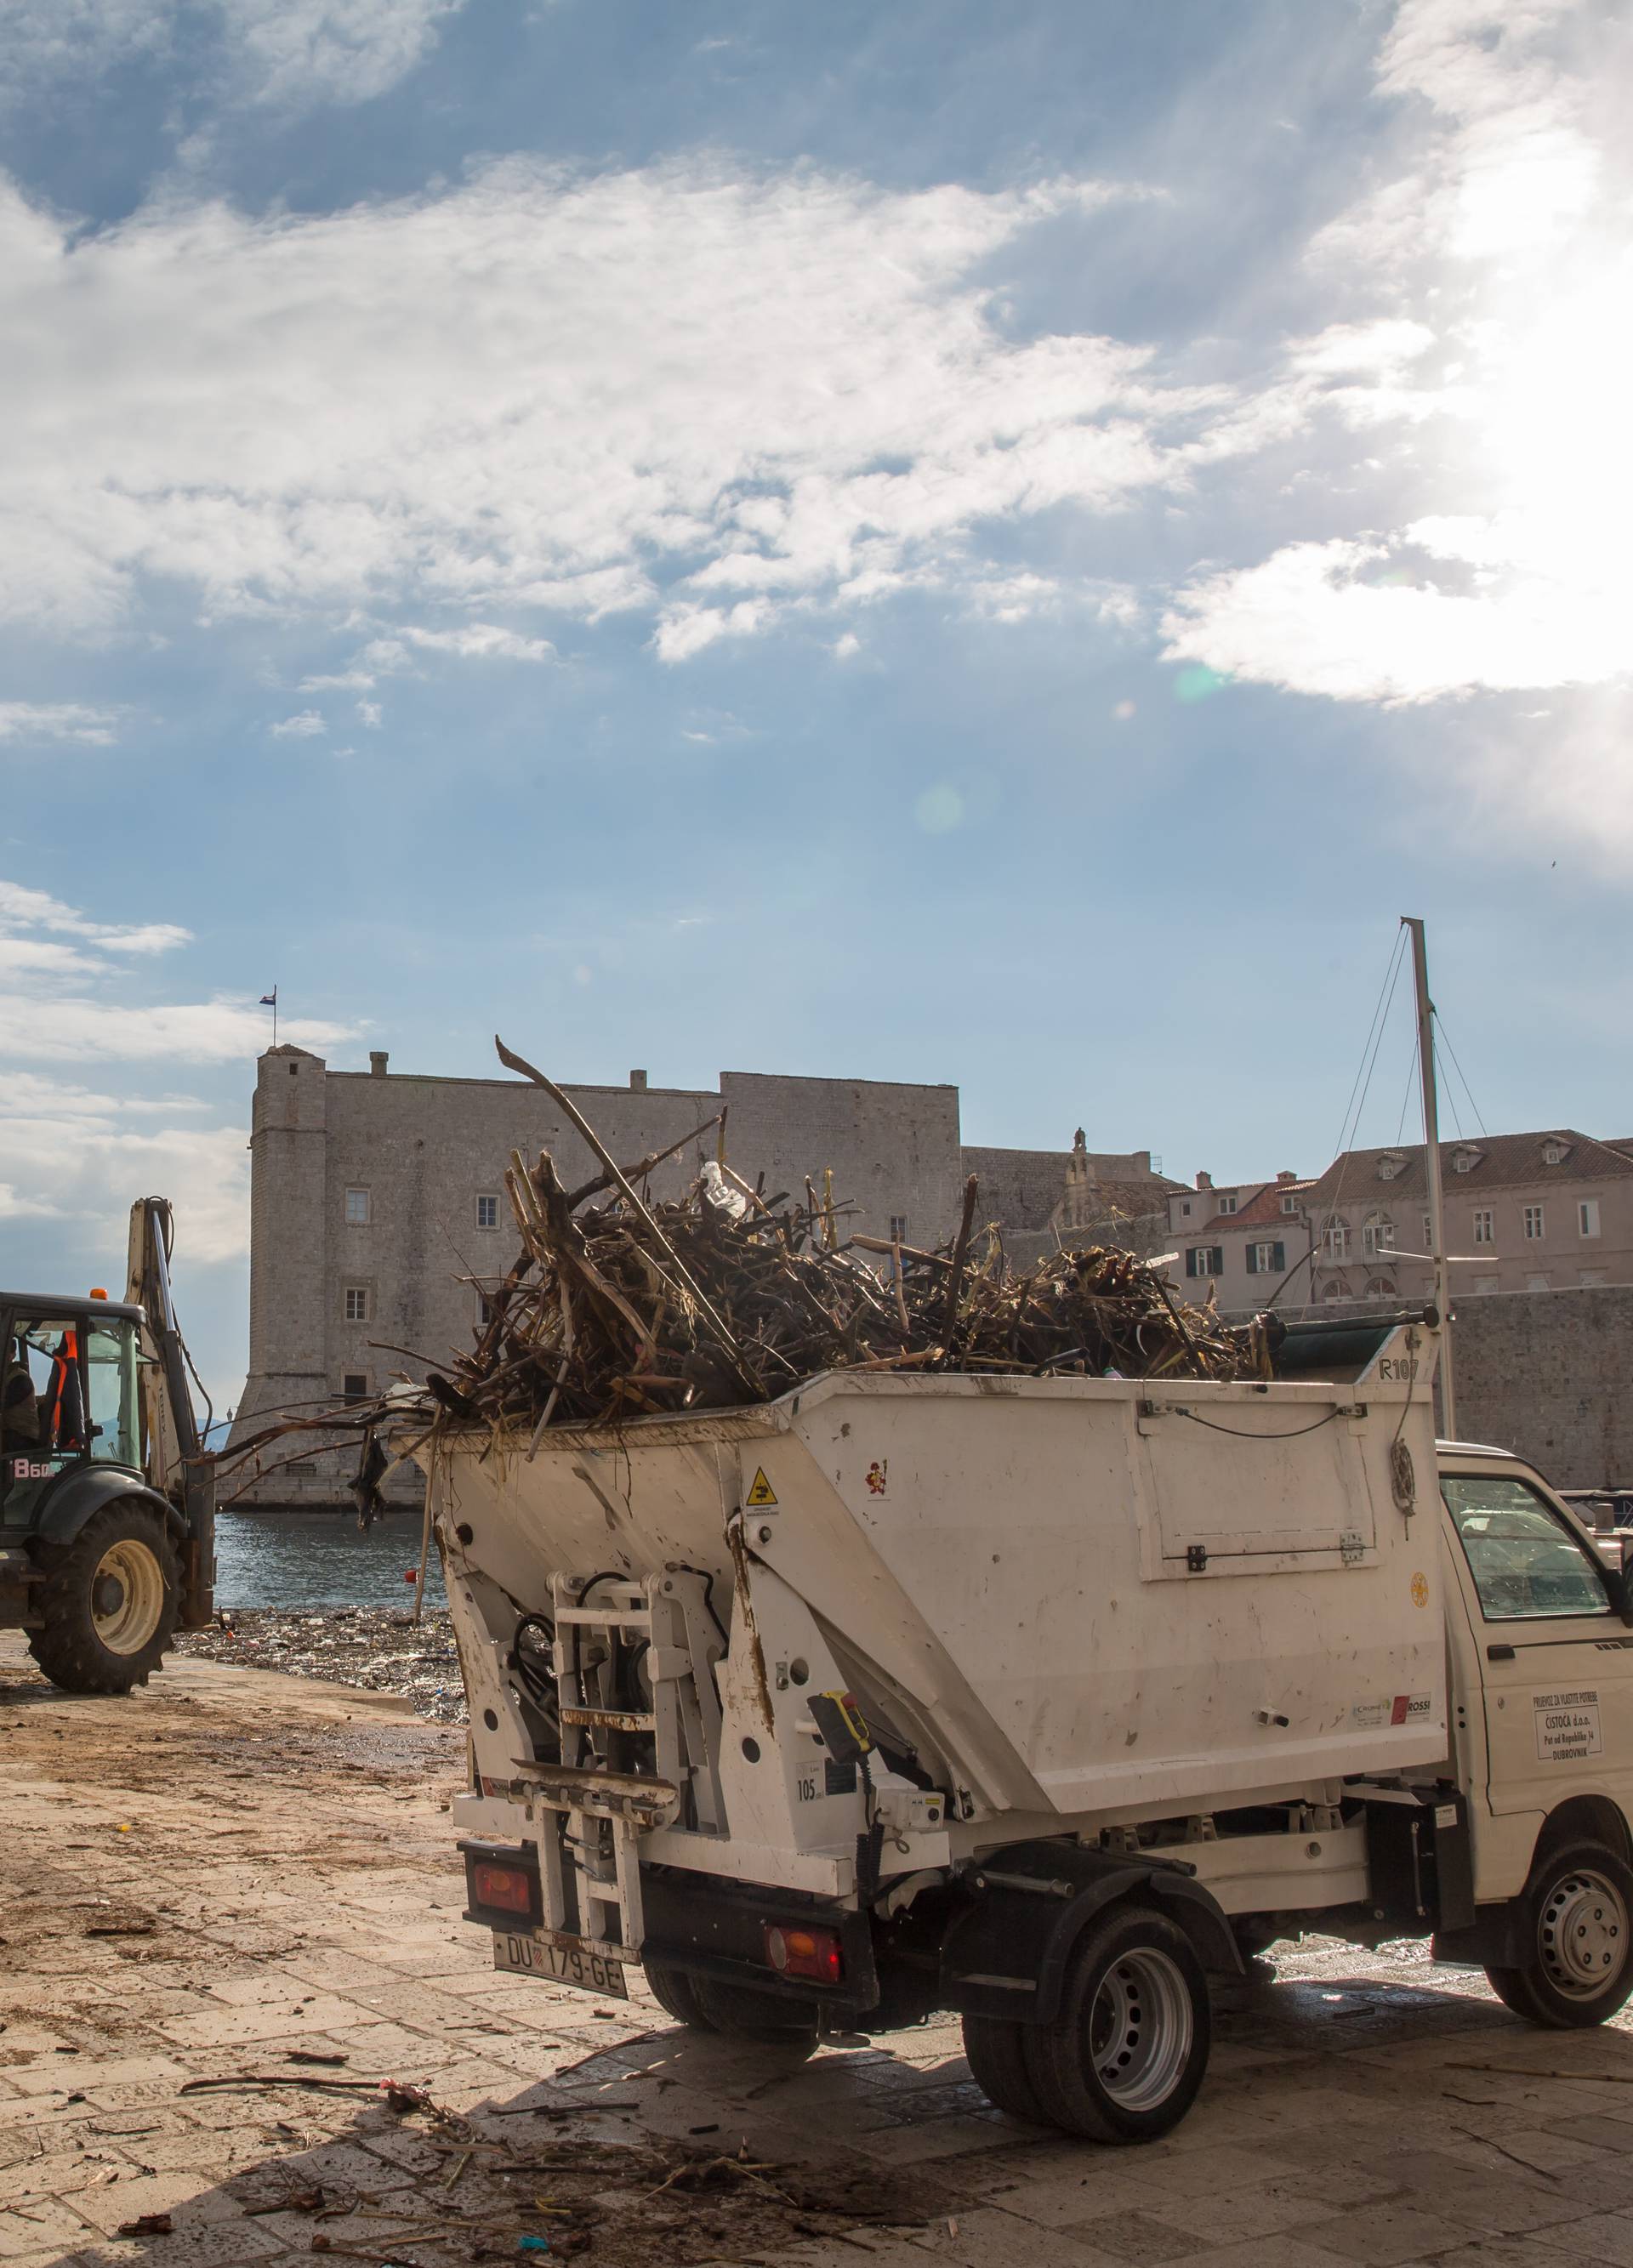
<point>1377,1234</point>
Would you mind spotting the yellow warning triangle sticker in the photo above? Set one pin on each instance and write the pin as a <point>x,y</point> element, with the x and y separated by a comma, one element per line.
<point>762,1493</point>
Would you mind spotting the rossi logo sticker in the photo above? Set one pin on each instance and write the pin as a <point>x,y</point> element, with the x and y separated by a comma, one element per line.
<point>1399,1709</point>
<point>1567,1725</point>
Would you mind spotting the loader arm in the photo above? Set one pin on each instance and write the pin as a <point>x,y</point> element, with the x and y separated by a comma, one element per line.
<point>178,1464</point>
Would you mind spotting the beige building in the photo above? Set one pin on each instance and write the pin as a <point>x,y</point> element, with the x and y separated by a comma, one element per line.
<point>1525,1212</point>
<point>379,1222</point>
<point>1239,1242</point>
<point>1550,1211</point>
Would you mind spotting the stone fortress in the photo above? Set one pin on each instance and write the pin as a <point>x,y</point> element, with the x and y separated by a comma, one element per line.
<point>379,1220</point>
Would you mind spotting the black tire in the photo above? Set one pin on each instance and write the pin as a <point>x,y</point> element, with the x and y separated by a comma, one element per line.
<point>1577,1917</point>
<point>996,2053</point>
<point>1127,2050</point>
<point>672,1989</point>
<point>741,2013</point>
<point>110,1599</point>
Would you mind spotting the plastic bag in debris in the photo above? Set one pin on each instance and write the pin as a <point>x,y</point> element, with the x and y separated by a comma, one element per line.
<point>718,1195</point>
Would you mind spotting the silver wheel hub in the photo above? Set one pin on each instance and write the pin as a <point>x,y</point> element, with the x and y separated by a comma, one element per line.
<point>1140,2029</point>
<point>127,1596</point>
<point>1582,1933</point>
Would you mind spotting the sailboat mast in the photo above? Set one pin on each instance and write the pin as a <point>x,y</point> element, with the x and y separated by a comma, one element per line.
<point>1431,1168</point>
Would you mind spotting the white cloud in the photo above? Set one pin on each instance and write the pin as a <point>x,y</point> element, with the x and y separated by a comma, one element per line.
<point>306,726</point>
<point>68,1154</point>
<point>369,713</point>
<point>43,1020</point>
<point>57,720</point>
<point>71,1153</point>
<point>1504,250</point>
<point>292,53</point>
<point>1331,618</point>
<point>54,1028</point>
<point>483,642</point>
<point>23,907</point>
<point>713,395</point>
<point>1018,596</point>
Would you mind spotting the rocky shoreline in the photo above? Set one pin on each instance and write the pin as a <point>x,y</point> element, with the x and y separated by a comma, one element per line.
<point>379,1649</point>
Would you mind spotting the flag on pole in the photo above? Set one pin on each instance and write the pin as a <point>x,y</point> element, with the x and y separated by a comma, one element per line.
<point>269,999</point>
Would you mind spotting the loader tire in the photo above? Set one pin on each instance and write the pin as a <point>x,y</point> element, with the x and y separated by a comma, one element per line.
<point>1578,1920</point>
<point>1127,2048</point>
<point>741,2013</point>
<point>673,1991</point>
<point>109,1602</point>
<point>996,2054</point>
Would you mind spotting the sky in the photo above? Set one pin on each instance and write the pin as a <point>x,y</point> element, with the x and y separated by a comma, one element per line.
<point>1003,546</point>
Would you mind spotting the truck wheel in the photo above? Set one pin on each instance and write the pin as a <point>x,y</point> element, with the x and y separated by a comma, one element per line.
<point>109,1599</point>
<point>741,2013</point>
<point>1125,2056</point>
<point>996,2053</point>
<point>1579,1919</point>
<point>672,1989</point>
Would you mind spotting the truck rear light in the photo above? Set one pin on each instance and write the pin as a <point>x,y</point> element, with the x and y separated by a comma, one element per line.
<point>813,1952</point>
<point>509,1888</point>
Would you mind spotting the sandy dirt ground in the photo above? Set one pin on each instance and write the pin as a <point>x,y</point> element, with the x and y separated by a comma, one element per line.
<point>241,2021</point>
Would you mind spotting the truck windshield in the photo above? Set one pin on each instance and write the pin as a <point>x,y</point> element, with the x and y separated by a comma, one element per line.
<point>1524,1561</point>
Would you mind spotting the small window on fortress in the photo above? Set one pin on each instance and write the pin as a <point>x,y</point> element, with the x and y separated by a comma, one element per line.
<point>484,1311</point>
<point>357,1303</point>
<point>357,1208</point>
<point>487,1212</point>
<point>354,1386</point>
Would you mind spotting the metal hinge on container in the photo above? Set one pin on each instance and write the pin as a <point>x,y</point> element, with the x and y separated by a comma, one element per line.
<point>1195,1558</point>
<point>1352,1549</point>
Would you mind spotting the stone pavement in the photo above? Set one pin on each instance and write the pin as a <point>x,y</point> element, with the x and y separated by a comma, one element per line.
<point>234,1867</point>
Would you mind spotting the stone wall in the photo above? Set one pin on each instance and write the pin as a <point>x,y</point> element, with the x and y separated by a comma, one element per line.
<point>1550,1374</point>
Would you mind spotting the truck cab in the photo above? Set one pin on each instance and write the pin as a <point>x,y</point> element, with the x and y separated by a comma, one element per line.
<point>1541,1658</point>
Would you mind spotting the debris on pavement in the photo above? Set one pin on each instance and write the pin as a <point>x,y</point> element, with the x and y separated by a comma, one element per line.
<point>380,1649</point>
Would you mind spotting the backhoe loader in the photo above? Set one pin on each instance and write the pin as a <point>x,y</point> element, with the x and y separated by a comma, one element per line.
<point>106,1488</point>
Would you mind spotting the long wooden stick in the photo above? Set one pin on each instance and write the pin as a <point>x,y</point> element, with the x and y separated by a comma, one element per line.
<point>616,1173</point>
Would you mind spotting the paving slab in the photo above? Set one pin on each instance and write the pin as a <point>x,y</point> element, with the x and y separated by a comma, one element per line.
<point>282,1853</point>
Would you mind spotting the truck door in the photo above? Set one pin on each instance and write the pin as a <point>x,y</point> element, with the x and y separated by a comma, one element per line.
<point>1555,1662</point>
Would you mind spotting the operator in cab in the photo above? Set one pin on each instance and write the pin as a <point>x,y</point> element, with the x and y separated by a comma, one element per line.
<point>19,1404</point>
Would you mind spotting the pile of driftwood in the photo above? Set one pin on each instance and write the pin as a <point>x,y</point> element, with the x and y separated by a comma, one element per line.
<point>617,1306</point>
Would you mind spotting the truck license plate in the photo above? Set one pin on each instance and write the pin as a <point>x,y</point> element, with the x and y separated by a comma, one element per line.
<point>559,1960</point>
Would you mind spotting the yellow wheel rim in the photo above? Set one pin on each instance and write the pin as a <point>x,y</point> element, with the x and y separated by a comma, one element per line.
<point>126,1596</point>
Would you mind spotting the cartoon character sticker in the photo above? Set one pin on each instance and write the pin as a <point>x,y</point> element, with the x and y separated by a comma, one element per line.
<point>878,1476</point>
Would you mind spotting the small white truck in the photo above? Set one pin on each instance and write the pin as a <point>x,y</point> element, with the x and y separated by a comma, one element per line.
<point>1041,1700</point>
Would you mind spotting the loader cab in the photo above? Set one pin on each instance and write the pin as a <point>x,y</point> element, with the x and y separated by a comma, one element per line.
<point>70,1398</point>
